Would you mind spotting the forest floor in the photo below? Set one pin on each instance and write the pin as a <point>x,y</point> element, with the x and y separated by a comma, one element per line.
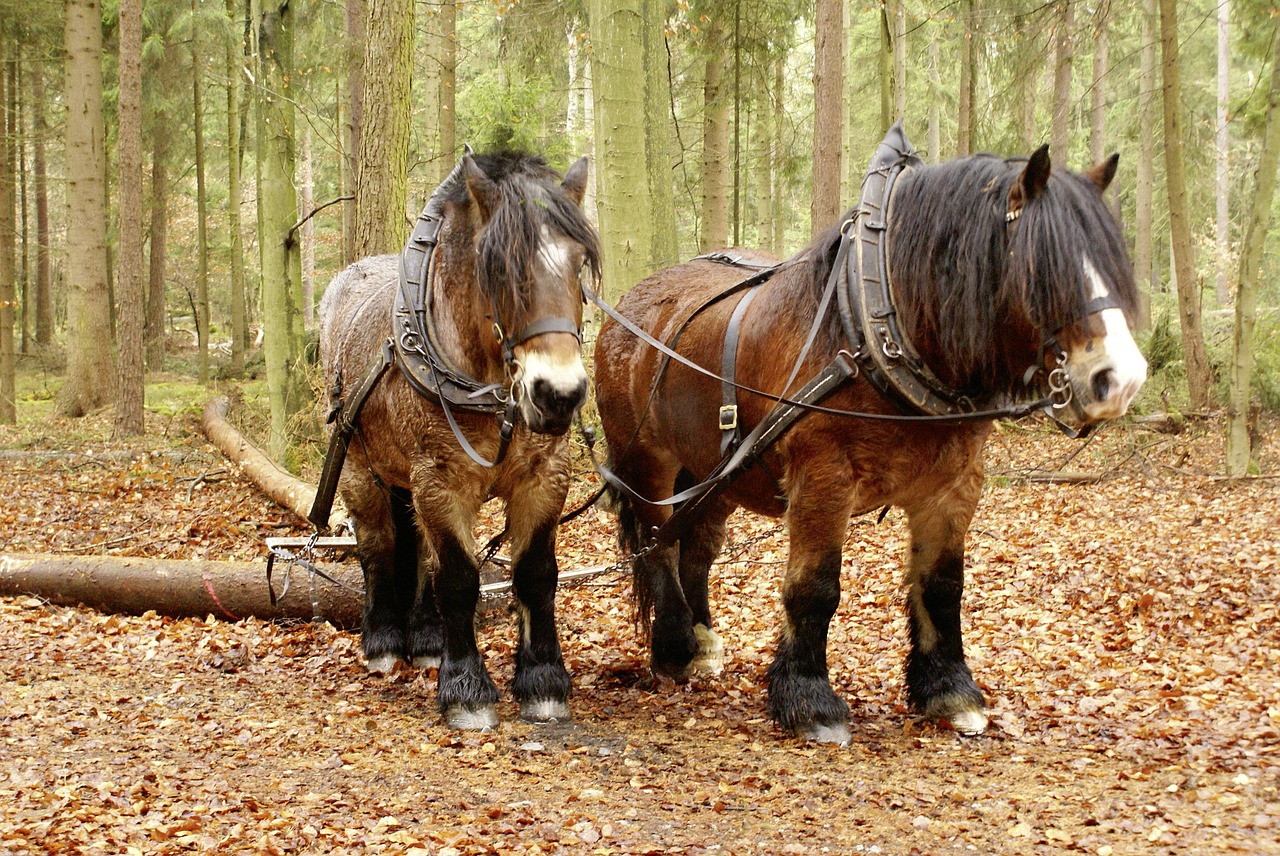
<point>1125,632</point>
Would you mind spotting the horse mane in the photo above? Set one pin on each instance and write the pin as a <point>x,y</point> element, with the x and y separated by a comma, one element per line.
<point>530,198</point>
<point>958,268</point>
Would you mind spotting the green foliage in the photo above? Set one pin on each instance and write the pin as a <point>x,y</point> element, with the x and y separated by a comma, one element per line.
<point>1266,355</point>
<point>1164,348</point>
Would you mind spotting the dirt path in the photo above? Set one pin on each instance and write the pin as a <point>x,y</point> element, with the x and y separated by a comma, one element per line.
<point>1126,634</point>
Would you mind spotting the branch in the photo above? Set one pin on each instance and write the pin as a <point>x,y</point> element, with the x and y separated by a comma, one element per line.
<point>314,211</point>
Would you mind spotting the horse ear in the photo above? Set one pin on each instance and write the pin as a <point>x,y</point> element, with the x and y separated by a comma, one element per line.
<point>484,193</point>
<point>575,181</point>
<point>1032,181</point>
<point>1101,174</point>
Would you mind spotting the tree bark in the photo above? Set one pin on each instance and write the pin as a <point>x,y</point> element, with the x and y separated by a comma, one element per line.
<point>1145,191</point>
<point>898,22</point>
<point>1196,360</point>
<point>154,333</point>
<point>235,192</point>
<point>622,178</point>
<point>354,122</point>
<point>90,377</point>
<point>1222,252</point>
<point>39,166</point>
<point>966,121</point>
<point>202,212</point>
<point>659,147</point>
<point>715,143</point>
<point>184,589</point>
<point>382,168</point>
<point>278,211</point>
<point>1064,57</point>
<point>827,131</point>
<point>8,243</point>
<point>1098,91</point>
<point>1255,236</point>
<point>935,97</point>
<point>129,367</point>
<point>885,57</point>
<point>306,232</point>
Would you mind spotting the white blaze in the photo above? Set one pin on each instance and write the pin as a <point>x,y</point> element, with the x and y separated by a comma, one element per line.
<point>1120,355</point>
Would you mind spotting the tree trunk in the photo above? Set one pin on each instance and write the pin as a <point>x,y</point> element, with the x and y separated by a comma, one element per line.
<point>90,378</point>
<point>885,65</point>
<point>1199,382</point>
<point>781,211</point>
<point>827,131</point>
<point>24,207</point>
<point>354,122</point>
<point>129,368</point>
<point>383,165</point>
<point>154,334</point>
<point>1064,56</point>
<point>439,79</point>
<point>202,212</point>
<point>1145,192</point>
<point>1098,91</point>
<point>715,143</point>
<point>1255,237</point>
<point>235,193</point>
<point>448,88</point>
<point>1222,254</point>
<point>899,29</point>
<point>935,97</point>
<point>8,244</point>
<point>281,487</point>
<point>763,183</point>
<point>182,589</point>
<point>278,211</point>
<point>966,109</point>
<point>306,232</point>
<point>44,275</point>
<point>659,147</point>
<point>622,178</point>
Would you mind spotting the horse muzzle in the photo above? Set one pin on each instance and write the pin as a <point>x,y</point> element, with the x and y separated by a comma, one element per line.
<point>550,395</point>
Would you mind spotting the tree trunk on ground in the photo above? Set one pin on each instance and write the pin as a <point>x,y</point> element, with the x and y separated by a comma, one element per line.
<point>715,143</point>
<point>622,177</point>
<point>382,168</point>
<point>283,488</point>
<point>278,212</point>
<point>827,132</point>
<point>90,377</point>
<point>154,333</point>
<point>185,589</point>
<point>8,243</point>
<point>1222,250</point>
<point>202,213</point>
<point>129,367</point>
<point>1264,182</point>
<point>1064,56</point>
<point>235,194</point>
<point>1145,191</point>
<point>1196,360</point>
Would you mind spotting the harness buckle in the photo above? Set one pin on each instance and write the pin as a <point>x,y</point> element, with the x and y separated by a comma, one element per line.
<point>728,417</point>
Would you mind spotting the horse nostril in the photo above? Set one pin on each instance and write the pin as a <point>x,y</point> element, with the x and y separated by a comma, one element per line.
<point>1102,383</point>
<point>555,399</point>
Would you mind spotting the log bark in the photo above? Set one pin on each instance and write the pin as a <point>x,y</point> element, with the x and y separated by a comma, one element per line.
<point>181,589</point>
<point>283,488</point>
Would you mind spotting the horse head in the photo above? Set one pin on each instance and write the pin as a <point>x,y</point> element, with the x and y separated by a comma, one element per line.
<point>1068,258</point>
<point>531,243</point>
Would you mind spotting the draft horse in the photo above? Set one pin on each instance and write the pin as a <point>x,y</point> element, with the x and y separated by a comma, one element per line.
<point>482,318</point>
<point>959,291</point>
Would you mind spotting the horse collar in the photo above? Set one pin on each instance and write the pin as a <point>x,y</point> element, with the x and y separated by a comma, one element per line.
<point>867,311</point>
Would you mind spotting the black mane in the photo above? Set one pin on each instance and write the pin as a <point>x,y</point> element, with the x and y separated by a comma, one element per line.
<point>531,198</point>
<point>959,269</point>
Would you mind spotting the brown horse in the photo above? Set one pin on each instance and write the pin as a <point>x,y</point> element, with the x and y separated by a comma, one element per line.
<point>498,311</point>
<point>995,268</point>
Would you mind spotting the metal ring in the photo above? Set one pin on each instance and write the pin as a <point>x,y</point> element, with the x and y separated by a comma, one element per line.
<point>892,349</point>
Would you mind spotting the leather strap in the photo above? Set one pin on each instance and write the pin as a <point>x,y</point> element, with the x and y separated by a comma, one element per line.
<point>730,432</point>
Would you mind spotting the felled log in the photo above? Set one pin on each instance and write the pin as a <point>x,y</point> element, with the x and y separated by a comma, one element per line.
<point>280,486</point>
<point>1064,477</point>
<point>229,590</point>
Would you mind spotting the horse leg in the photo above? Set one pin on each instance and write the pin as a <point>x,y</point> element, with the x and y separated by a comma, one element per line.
<point>541,682</point>
<point>800,696</point>
<point>465,693</point>
<point>939,683</point>
<point>424,631</point>
<point>701,546</point>
<point>388,570</point>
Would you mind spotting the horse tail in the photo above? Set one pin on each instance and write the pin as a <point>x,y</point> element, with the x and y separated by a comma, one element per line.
<point>631,540</point>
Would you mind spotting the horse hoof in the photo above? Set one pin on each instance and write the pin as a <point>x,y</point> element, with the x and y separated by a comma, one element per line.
<point>427,661</point>
<point>463,718</point>
<point>382,664</point>
<point>710,658</point>
<point>968,722</point>
<point>830,732</point>
<point>545,710</point>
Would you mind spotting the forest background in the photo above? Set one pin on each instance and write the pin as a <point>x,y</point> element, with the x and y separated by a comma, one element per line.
<point>178,182</point>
